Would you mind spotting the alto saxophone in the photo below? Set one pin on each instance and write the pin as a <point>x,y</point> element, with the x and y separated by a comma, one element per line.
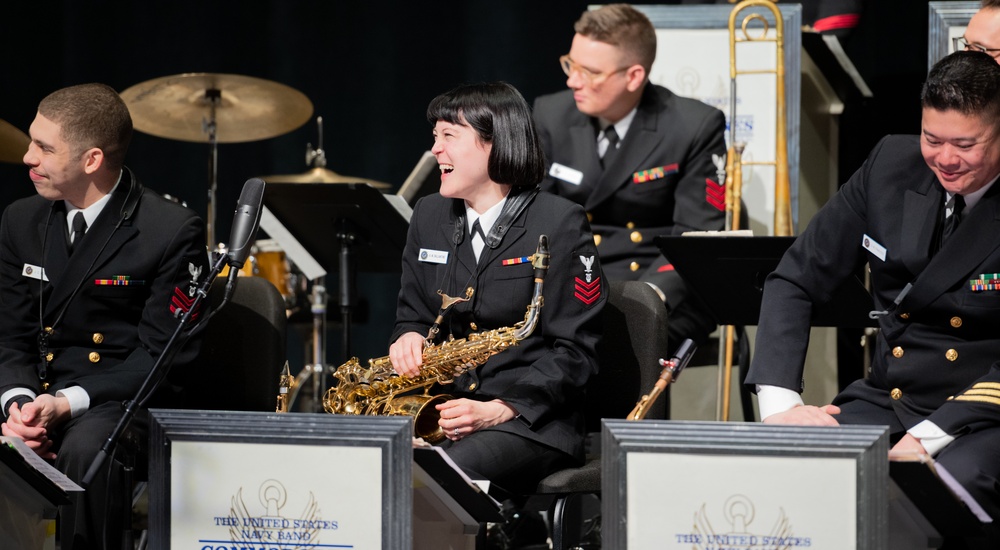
<point>378,390</point>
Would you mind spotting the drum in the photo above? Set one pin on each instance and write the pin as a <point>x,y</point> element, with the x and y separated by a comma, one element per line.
<point>271,264</point>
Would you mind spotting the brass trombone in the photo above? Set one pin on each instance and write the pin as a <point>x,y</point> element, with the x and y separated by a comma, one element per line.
<point>734,156</point>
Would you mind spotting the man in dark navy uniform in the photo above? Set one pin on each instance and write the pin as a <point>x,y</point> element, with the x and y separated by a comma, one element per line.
<point>94,274</point>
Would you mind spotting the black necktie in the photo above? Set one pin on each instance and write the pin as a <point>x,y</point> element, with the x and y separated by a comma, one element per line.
<point>609,154</point>
<point>956,203</point>
<point>79,228</point>
<point>478,230</point>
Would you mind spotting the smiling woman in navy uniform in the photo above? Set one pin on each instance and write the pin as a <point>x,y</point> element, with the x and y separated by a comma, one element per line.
<point>658,178</point>
<point>519,416</point>
<point>88,304</point>
<point>935,376</point>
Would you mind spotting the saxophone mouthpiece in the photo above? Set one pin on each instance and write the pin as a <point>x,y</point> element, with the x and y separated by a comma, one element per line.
<point>541,258</point>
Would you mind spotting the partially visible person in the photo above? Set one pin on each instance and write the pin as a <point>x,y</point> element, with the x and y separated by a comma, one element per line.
<point>923,212</point>
<point>983,31</point>
<point>637,157</point>
<point>94,273</point>
<point>519,416</point>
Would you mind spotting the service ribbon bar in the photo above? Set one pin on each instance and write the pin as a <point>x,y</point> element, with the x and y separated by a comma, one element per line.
<point>521,260</point>
<point>119,280</point>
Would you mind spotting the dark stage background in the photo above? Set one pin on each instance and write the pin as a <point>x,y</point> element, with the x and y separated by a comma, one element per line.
<point>369,67</point>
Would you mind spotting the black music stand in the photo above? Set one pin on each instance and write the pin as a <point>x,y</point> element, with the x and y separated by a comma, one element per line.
<point>345,227</point>
<point>934,497</point>
<point>728,273</point>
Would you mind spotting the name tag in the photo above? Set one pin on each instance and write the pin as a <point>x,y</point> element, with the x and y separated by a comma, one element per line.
<point>433,256</point>
<point>34,272</point>
<point>876,249</point>
<point>565,173</point>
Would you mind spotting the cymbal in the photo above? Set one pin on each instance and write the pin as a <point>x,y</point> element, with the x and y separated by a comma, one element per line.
<point>323,175</point>
<point>13,143</point>
<point>248,109</point>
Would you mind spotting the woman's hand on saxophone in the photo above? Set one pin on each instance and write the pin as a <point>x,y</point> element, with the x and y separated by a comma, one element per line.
<point>461,417</point>
<point>407,354</point>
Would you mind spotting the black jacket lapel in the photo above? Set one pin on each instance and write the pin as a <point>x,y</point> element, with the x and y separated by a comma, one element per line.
<point>78,265</point>
<point>640,141</point>
<point>970,244</point>
<point>919,205</point>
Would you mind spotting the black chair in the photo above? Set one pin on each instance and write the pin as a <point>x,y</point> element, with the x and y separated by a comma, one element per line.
<point>242,351</point>
<point>237,369</point>
<point>634,339</point>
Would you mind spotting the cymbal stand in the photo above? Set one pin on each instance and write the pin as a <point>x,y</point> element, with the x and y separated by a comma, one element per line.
<point>213,97</point>
<point>315,372</point>
<point>347,291</point>
<point>316,157</point>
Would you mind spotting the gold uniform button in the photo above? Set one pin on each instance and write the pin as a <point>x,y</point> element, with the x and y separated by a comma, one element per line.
<point>896,393</point>
<point>597,240</point>
<point>956,321</point>
<point>634,266</point>
<point>473,326</point>
<point>630,225</point>
<point>98,338</point>
<point>636,237</point>
<point>472,386</point>
<point>45,386</point>
<point>904,315</point>
<point>897,352</point>
<point>50,356</point>
<point>49,330</point>
<point>951,355</point>
<point>94,357</point>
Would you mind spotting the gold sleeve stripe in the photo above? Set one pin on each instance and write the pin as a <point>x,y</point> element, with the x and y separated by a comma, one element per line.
<point>979,399</point>
<point>993,393</point>
<point>987,385</point>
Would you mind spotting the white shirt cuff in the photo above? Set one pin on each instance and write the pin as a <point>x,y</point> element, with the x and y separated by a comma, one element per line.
<point>79,400</point>
<point>11,394</point>
<point>775,399</point>
<point>931,436</point>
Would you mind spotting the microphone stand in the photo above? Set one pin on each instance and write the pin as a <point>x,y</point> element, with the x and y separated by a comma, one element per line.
<point>154,377</point>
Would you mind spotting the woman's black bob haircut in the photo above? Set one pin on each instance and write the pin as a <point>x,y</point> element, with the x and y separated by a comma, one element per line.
<point>500,116</point>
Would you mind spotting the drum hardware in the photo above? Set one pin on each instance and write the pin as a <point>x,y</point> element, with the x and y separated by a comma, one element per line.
<point>314,373</point>
<point>13,143</point>
<point>217,108</point>
<point>319,173</point>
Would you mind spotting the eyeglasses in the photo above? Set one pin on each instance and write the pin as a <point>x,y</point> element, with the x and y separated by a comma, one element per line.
<point>569,66</point>
<point>960,43</point>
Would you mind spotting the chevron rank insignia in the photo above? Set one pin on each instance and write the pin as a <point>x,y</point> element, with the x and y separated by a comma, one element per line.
<point>715,194</point>
<point>587,289</point>
<point>180,303</point>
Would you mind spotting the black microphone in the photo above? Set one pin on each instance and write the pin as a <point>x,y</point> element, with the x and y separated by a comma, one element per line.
<point>246,220</point>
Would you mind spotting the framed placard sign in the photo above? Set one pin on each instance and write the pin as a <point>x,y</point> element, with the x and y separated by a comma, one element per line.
<point>692,60</point>
<point>946,20</point>
<point>716,485</point>
<point>221,480</point>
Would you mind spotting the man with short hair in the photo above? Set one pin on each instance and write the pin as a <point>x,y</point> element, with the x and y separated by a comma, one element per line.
<point>924,213</point>
<point>638,157</point>
<point>94,274</point>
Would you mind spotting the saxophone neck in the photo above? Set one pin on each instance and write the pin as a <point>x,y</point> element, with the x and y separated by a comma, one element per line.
<point>540,261</point>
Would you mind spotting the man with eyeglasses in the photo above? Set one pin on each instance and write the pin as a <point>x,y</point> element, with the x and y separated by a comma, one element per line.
<point>638,157</point>
<point>983,32</point>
